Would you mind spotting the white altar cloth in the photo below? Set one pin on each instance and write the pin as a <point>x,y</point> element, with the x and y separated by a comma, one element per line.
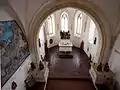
<point>65,45</point>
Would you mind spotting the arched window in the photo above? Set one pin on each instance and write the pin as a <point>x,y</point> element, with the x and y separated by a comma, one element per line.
<point>64,22</point>
<point>51,25</point>
<point>91,32</point>
<point>78,24</point>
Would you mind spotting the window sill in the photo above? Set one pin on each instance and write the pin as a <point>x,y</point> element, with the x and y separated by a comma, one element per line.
<point>90,43</point>
<point>51,35</point>
<point>76,35</point>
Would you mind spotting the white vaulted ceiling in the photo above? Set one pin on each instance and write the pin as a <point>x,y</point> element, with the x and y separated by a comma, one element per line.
<point>26,9</point>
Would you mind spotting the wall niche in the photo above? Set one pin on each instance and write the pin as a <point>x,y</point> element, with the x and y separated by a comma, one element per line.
<point>95,40</point>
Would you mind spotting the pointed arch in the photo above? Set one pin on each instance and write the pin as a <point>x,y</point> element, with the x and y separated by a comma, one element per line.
<point>91,32</point>
<point>64,22</point>
<point>78,23</point>
<point>92,10</point>
<point>51,25</point>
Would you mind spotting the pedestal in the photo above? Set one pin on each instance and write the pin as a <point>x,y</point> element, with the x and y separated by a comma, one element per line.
<point>100,78</point>
<point>41,75</point>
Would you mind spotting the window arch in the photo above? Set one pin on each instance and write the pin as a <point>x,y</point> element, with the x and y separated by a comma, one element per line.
<point>51,25</point>
<point>64,22</point>
<point>91,32</point>
<point>78,23</point>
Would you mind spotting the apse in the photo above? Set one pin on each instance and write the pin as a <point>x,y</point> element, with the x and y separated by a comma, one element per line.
<point>75,25</point>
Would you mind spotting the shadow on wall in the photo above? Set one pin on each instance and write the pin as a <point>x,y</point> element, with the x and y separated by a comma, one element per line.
<point>14,48</point>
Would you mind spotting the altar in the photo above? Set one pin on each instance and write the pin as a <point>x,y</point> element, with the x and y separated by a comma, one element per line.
<point>65,45</point>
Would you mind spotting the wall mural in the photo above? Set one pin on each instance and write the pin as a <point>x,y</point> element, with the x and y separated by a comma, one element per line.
<point>14,48</point>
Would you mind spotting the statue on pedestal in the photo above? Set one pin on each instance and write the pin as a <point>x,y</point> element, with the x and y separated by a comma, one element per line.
<point>99,67</point>
<point>106,68</point>
<point>41,66</point>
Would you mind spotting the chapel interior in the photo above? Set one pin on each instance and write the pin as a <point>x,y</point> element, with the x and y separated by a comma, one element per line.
<point>60,44</point>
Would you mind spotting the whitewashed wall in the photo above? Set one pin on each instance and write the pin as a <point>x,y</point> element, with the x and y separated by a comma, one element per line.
<point>55,37</point>
<point>19,76</point>
<point>41,49</point>
<point>114,61</point>
<point>94,49</point>
<point>71,17</point>
<point>21,8</point>
<point>4,16</point>
<point>76,39</point>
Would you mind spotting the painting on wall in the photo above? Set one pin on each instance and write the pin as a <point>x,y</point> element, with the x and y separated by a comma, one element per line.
<point>13,48</point>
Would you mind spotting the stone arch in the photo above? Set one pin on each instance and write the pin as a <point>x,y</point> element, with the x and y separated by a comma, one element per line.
<point>118,31</point>
<point>88,7</point>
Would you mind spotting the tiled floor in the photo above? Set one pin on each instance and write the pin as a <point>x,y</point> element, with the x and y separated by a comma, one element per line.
<point>76,67</point>
<point>68,73</point>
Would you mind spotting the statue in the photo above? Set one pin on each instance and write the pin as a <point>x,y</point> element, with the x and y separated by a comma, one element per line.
<point>14,85</point>
<point>99,68</point>
<point>32,66</point>
<point>41,66</point>
<point>106,68</point>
